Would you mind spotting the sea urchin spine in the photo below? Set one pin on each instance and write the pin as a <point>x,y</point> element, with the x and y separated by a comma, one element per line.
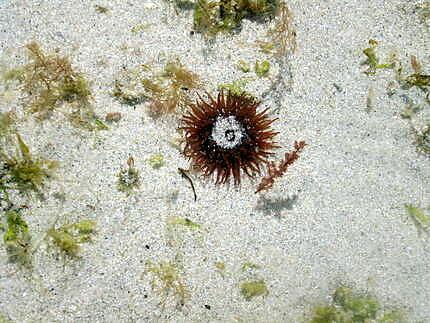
<point>227,135</point>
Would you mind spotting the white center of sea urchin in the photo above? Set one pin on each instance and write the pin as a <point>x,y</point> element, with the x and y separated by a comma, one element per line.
<point>227,132</point>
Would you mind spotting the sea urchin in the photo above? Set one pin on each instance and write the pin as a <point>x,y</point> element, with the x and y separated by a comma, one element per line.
<point>227,135</point>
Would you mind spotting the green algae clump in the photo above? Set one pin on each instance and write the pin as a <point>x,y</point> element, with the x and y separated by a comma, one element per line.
<point>220,267</point>
<point>360,307</point>
<point>169,89</point>
<point>254,288</point>
<point>128,177</point>
<point>52,84</point>
<point>22,171</point>
<point>17,238</point>
<point>165,90</point>
<point>236,87</point>
<point>262,69</point>
<point>68,237</point>
<point>347,307</point>
<point>167,281</point>
<point>156,161</point>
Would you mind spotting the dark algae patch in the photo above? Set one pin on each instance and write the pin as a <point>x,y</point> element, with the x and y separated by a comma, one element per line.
<point>417,78</point>
<point>214,16</point>
<point>101,9</point>
<point>211,17</point>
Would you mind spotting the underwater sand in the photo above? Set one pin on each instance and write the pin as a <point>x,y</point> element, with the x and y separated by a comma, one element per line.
<point>336,217</point>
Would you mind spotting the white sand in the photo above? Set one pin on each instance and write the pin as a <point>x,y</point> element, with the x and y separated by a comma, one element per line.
<point>347,224</point>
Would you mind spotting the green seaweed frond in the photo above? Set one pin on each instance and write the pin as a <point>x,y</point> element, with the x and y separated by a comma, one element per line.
<point>69,237</point>
<point>416,79</point>
<point>177,220</point>
<point>394,316</point>
<point>167,281</point>
<point>417,214</point>
<point>243,66</point>
<point>100,124</point>
<point>205,16</point>
<point>372,60</point>
<point>17,238</point>
<point>13,75</point>
<point>139,28</point>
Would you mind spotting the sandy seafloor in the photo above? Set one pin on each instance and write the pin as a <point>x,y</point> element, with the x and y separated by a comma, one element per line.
<point>346,225</point>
